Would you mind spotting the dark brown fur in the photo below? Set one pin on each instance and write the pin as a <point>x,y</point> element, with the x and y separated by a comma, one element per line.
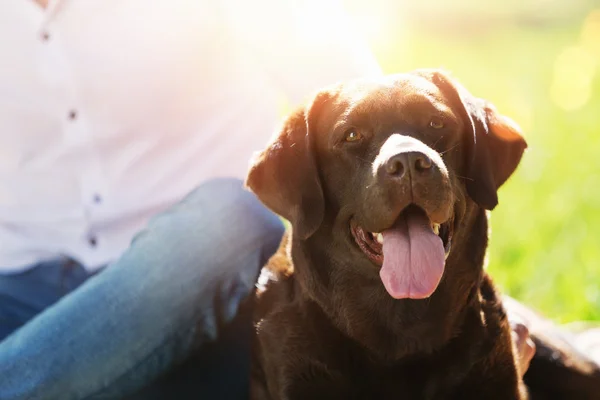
<point>326,328</point>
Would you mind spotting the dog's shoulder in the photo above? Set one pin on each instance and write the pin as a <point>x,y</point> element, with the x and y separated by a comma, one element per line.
<point>275,285</point>
<point>498,366</point>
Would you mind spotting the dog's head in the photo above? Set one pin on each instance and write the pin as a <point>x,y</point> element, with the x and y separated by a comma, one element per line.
<point>387,169</point>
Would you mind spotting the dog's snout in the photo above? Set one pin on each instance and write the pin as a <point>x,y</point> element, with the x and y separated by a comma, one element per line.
<point>415,162</point>
<point>406,170</point>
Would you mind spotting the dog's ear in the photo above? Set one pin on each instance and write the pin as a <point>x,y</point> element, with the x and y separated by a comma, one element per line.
<point>285,177</point>
<point>502,140</point>
<point>495,144</point>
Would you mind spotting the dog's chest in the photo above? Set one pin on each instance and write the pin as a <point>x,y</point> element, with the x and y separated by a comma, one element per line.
<point>345,372</point>
<point>413,380</point>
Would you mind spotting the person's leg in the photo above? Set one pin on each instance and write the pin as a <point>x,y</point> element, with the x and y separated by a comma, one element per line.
<point>219,370</point>
<point>180,281</point>
<point>25,294</point>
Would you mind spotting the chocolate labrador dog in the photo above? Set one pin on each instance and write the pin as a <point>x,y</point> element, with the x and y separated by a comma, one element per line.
<point>382,295</point>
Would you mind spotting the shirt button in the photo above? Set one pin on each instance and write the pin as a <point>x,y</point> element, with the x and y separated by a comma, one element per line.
<point>72,115</point>
<point>97,198</point>
<point>45,36</point>
<point>93,241</point>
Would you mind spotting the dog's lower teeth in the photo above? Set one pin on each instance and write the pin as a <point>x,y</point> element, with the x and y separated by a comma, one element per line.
<point>436,228</point>
<point>379,237</point>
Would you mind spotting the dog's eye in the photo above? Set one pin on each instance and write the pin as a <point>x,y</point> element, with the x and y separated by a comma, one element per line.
<point>436,123</point>
<point>352,135</point>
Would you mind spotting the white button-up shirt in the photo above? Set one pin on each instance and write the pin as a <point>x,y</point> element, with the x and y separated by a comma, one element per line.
<point>112,110</point>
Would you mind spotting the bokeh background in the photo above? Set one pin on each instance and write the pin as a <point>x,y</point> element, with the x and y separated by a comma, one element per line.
<point>539,63</point>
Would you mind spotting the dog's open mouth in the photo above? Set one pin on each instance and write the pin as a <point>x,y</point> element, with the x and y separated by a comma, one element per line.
<point>411,252</point>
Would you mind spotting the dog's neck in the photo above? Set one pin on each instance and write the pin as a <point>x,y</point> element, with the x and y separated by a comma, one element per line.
<point>392,329</point>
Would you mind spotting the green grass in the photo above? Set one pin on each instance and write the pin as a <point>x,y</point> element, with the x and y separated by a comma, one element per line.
<point>545,246</point>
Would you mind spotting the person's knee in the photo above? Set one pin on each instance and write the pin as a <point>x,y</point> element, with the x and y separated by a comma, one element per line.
<point>233,237</point>
<point>234,212</point>
<point>219,224</point>
<point>201,258</point>
<point>217,189</point>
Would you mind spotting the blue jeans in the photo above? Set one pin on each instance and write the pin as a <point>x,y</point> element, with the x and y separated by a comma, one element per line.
<point>173,292</point>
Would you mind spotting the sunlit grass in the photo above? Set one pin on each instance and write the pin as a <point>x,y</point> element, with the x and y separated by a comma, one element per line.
<point>545,246</point>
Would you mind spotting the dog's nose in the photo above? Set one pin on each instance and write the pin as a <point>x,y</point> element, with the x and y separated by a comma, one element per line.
<point>417,162</point>
<point>422,163</point>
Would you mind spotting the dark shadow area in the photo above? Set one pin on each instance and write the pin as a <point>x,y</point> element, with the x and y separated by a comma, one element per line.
<point>220,370</point>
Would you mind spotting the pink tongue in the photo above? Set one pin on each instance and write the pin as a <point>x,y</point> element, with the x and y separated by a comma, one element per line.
<point>413,258</point>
